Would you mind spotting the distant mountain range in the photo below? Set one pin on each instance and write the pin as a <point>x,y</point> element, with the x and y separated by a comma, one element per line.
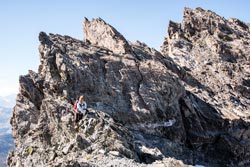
<point>6,105</point>
<point>6,144</point>
<point>5,114</point>
<point>6,141</point>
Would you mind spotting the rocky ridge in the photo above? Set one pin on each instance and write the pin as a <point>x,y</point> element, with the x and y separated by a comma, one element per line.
<point>215,51</point>
<point>186,105</point>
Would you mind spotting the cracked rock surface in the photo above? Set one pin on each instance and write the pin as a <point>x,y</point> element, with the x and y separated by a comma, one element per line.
<point>177,107</point>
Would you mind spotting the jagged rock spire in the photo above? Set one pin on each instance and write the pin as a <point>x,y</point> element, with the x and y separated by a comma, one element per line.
<point>215,54</point>
<point>98,32</point>
<point>192,102</point>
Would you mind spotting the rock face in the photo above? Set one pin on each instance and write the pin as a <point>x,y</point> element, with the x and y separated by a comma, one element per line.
<point>98,32</point>
<point>215,55</point>
<point>190,102</point>
<point>215,51</point>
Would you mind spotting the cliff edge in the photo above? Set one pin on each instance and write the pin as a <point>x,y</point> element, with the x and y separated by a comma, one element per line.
<point>188,104</point>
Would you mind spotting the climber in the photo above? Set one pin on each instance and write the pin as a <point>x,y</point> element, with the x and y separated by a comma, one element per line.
<point>81,109</point>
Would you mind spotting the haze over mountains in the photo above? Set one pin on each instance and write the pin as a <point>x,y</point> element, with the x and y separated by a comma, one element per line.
<point>6,105</point>
<point>185,105</point>
<point>6,141</point>
<point>8,101</point>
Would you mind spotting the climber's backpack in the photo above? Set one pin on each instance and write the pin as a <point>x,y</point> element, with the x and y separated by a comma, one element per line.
<point>75,105</point>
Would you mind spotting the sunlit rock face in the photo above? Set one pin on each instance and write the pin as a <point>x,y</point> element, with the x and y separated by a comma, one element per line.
<point>215,54</point>
<point>189,102</point>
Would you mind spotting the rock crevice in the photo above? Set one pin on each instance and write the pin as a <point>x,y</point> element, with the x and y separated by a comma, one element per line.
<point>186,105</point>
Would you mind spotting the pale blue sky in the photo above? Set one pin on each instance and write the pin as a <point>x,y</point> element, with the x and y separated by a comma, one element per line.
<point>145,20</point>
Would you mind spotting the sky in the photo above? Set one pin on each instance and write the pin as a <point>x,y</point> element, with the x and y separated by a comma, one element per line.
<point>143,20</point>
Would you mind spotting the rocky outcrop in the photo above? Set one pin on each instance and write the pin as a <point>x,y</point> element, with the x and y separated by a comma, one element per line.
<point>214,52</point>
<point>99,33</point>
<point>144,106</point>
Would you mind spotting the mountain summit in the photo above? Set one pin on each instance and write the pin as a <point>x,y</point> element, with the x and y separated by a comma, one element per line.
<point>188,104</point>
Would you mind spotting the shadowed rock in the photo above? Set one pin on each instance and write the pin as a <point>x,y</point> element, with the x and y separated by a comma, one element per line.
<point>214,52</point>
<point>189,102</point>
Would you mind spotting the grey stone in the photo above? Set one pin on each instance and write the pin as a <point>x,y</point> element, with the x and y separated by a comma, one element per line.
<point>189,102</point>
<point>67,148</point>
<point>115,153</point>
